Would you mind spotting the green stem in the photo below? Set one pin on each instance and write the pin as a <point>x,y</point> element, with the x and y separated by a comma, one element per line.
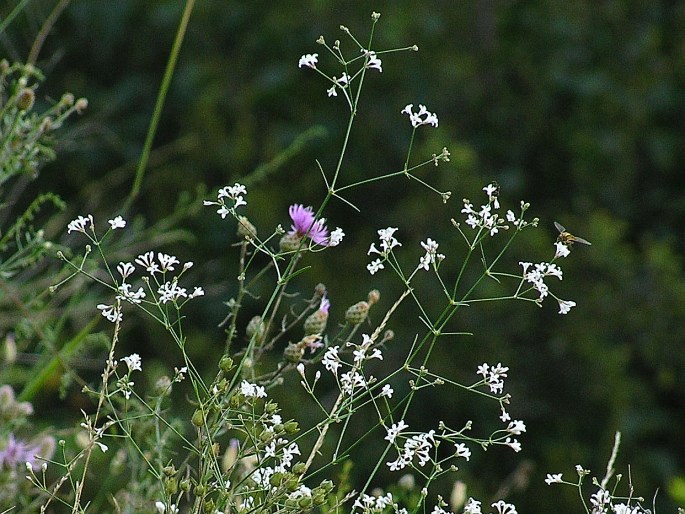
<point>159,104</point>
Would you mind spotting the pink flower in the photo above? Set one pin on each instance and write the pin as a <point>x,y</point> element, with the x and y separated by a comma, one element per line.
<point>304,224</point>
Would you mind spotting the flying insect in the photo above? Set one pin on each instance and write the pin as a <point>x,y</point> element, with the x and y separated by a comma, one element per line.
<point>567,238</point>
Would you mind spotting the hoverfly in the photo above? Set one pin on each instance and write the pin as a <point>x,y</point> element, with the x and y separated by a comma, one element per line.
<point>567,238</point>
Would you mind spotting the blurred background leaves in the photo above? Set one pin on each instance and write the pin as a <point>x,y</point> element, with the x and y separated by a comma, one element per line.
<point>577,107</point>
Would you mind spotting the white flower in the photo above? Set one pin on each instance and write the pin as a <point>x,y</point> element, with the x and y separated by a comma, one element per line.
<point>79,224</point>
<point>167,261</point>
<point>463,451</point>
<point>387,391</point>
<point>565,306</point>
<point>472,507</point>
<point>117,222</point>
<point>170,292</point>
<point>252,390</point>
<point>373,61</point>
<point>331,91</point>
<point>147,260</point>
<point>235,193</point>
<point>110,312</point>
<point>553,478</point>
<point>331,361</point>
<point>562,250</point>
<point>600,498</point>
<point>395,430</point>
<point>516,427</point>
<point>504,508</point>
<point>375,266</point>
<point>308,60</point>
<point>514,444</point>
<point>125,293</point>
<point>336,237</point>
<point>422,117</point>
<point>133,362</point>
<point>125,269</point>
<point>197,291</point>
<point>161,508</point>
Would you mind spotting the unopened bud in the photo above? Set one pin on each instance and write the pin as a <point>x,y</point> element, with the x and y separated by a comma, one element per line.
<point>373,297</point>
<point>293,352</point>
<point>81,105</point>
<point>25,99</point>
<point>245,228</point>
<point>10,348</point>
<point>290,242</point>
<point>256,328</point>
<point>357,313</point>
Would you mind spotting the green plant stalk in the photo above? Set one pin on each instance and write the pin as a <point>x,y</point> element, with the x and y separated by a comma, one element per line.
<point>38,381</point>
<point>20,7</point>
<point>159,104</point>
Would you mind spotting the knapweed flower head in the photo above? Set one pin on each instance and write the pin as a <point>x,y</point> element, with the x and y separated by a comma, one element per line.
<point>316,321</point>
<point>421,117</point>
<point>17,452</point>
<point>304,224</point>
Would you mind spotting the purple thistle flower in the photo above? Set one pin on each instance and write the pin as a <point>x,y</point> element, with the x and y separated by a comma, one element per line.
<point>325,305</point>
<point>304,224</point>
<point>17,452</point>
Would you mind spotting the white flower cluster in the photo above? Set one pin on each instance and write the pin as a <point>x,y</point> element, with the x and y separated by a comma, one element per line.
<point>421,117</point>
<point>431,256</point>
<point>371,62</point>
<point>352,380</point>
<point>485,218</point>
<point>601,500</point>
<point>234,193</point>
<point>388,242</point>
<point>473,507</point>
<point>167,290</point>
<point>536,277</point>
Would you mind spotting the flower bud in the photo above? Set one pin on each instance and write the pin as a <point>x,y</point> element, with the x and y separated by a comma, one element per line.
<point>226,363</point>
<point>163,385</point>
<point>290,242</point>
<point>256,326</point>
<point>170,486</point>
<point>373,297</point>
<point>357,313</point>
<point>198,418</point>
<point>81,105</point>
<point>25,99</point>
<point>316,322</point>
<point>245,228</point>
<point>293,352</point>
<point>291,427</point>
<point>10,348</point>
<point>320,290</point>
<point>67,100</point>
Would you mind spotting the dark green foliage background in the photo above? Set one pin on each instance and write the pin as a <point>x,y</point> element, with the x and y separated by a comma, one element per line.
<point>577,107</point>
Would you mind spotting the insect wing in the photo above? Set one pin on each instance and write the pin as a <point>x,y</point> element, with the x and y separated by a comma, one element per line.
<point>581,240</point>
<point>560,227</point>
